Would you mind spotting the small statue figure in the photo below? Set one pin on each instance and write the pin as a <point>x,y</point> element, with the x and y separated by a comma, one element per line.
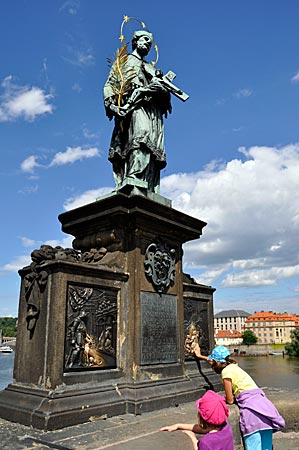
<point>138,96</point>
<point>106,340</point>
<point>78,333</point>
<point>191,339</point>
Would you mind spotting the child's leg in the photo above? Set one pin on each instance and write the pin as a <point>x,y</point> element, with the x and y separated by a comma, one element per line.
<point>253,441</point>
<point>266,439</point>
<point>260,440</point>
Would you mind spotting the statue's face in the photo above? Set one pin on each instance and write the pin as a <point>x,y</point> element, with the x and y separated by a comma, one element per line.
<point>144,44</point>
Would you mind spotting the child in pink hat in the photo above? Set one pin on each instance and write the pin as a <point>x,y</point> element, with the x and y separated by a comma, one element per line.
<point>258,416</point>
<point>212,423</point>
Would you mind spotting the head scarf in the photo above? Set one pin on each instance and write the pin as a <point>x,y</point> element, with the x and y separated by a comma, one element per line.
<point>212,408</point>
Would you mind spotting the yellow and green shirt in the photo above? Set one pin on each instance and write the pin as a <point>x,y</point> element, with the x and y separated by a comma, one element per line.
<point>241,381</point>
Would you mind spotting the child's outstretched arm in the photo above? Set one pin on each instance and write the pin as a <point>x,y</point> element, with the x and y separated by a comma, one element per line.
<point>193,438</point>
<point>197,352</point>
<point>183,426</point>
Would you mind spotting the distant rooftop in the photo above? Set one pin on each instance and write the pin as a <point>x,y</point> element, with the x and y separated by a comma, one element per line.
<point>273,316</point>
<point>232,313</point>
<point>231,334</point>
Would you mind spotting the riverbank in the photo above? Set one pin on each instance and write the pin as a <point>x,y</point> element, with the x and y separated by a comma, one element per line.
<point>257,350</point>
<point>128,432</point>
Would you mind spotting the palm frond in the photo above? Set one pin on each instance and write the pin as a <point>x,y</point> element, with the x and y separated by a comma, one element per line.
<point>121,75</point>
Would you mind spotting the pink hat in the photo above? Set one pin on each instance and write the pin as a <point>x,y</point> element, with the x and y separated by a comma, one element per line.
<point>212,408</point>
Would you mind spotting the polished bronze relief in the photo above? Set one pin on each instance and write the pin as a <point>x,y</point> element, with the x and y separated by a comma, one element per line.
<point>91,328</point>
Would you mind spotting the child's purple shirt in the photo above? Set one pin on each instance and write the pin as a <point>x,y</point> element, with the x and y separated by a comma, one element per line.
<point>220,440</point>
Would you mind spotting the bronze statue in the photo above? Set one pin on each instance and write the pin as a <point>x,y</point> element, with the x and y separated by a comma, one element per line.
<point>137,96</point>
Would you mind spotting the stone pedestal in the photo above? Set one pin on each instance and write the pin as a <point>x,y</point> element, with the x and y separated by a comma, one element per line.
<point>102,326</point>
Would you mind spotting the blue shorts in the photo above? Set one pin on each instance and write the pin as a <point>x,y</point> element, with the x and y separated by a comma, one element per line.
<point>260,440</point>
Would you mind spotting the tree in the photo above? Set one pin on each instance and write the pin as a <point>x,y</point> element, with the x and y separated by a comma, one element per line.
<point>8,325</point>
<point>292,348</point>
<point>249,338</point>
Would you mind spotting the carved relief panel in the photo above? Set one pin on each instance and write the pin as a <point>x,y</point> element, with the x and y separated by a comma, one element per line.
<point>196,325</point>
<point>91,328</point>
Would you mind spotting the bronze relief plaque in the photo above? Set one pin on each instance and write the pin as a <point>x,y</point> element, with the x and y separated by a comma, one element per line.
<point>196,326</point>
<point>91,326</point>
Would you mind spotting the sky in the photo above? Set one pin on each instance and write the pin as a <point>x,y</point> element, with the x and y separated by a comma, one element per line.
<point>232,148</point>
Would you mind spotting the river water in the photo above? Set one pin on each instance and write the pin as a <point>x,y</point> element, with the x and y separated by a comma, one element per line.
<point>267,371</point>
<point>272,371</point>
<point>6,369</point>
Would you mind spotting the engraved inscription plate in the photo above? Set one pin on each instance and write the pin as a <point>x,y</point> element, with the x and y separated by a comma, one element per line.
<point>159,330</point>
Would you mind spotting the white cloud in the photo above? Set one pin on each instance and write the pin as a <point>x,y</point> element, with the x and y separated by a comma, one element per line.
<point>295,78</point>
<point>29,189</point>
<point>29,164</point>
<point>79,57</point>
<point>251,304</point>
<point>260,277</point>
<point>25,260</point>
<point>16,264</point>
<point>73,154</point>
<point>252,210</point>
<point>70,6</point>
<point>66,242</point>
<point>209,276</point>
<point>23,102</point>
<point>89,135</point>
<point>85,198</point>
<point>27,242</point>
<point>241,93</point>
<point>77,88</point>
<point>252,236</point>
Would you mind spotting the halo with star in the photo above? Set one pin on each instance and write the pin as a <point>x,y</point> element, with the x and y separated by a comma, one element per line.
<point>126,19</point>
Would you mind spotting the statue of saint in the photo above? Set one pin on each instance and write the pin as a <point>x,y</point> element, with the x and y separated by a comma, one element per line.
<point>135,96</point>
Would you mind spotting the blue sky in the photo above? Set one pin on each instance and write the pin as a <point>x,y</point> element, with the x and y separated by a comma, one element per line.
<point>232,148</point>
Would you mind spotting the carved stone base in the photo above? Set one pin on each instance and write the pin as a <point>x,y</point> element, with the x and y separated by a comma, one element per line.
<point>102,326</point>
<point>51,410</point>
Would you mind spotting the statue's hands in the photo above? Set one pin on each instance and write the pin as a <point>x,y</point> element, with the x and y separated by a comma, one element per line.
<point>137,94</point>
<point>118,110</point>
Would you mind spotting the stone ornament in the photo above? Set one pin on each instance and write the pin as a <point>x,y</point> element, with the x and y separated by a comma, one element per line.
<point>36,280</point>
<point>159,265</point>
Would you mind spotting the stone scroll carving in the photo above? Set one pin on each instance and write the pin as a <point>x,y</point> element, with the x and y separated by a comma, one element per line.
<point>106,251</point>
<point>159,265</point>
<point>90,341</point>
<point>36,280</point>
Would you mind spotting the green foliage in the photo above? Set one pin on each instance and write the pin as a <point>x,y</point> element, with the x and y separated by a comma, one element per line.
<point>249,338</point>
<point>8,325</point>
<point>277,346</point>
<point>292,348</point>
